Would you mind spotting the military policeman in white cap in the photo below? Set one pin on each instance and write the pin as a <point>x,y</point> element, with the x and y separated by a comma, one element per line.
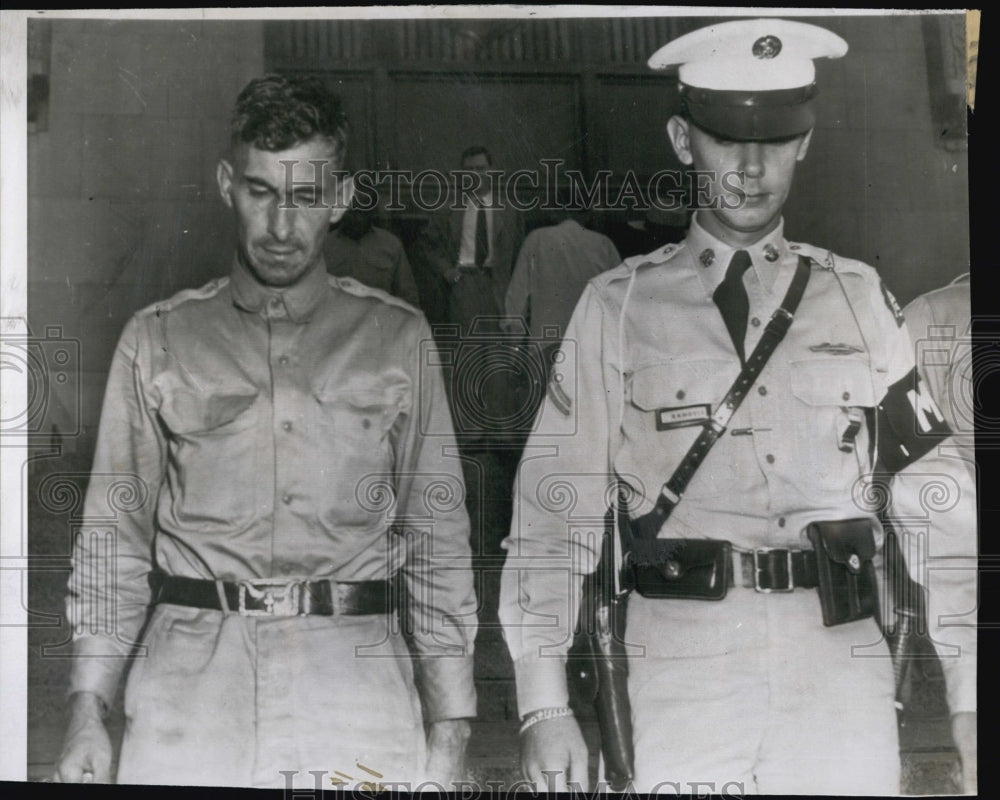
<point>784,684</point>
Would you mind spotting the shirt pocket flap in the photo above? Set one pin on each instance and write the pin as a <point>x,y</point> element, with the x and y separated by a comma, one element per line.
<point>681,383</point>
<point>832,382</point>
<point>185,411</point>
<point>372,396</point>
<point>362,408</point>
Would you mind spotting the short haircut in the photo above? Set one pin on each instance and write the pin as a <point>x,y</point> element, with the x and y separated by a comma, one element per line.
<point>277,112</point>
<point>476,150</point>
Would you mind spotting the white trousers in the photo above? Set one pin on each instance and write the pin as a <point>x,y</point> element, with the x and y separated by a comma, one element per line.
<point>752,694</point>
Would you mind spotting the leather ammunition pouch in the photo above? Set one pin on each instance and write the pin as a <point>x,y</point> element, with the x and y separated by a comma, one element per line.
<point>694,569</point>
<point>848,584</point>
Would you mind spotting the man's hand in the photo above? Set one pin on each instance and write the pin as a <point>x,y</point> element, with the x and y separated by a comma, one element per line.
<point>86,754</point>
<point>446,742</point>
<point>963,731</point>
<point>554,746</point>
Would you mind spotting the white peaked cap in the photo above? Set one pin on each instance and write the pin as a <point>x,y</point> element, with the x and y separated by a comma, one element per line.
<point>750,79</point>
<point>750,55</point>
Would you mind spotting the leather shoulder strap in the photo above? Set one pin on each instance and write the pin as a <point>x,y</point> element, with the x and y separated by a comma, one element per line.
<point>648,525</point>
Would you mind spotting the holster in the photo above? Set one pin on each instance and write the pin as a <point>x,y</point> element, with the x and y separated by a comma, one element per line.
<point>901,629</point>
<point>596,665</point>
<point>848,584</point>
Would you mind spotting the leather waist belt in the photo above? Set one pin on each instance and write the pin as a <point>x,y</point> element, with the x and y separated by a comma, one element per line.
<point>278,598</point>
<point>775,570</point>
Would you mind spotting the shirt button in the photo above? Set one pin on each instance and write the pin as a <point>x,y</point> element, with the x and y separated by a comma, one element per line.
<point>681,394</point>
<point>769,458</point>
<point>283,360</point>
<point>781,522</point>
<point>286,499</point>
<point>755,321</point>
<point>286,425</point>
<point>761,390</point>
<point>846,395</point>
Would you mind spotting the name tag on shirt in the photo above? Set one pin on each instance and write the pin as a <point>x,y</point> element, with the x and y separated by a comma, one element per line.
<point>682,416</point>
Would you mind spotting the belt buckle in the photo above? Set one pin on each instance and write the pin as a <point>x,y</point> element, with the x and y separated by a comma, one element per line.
<point>286,602</point>
<point>756,572</point>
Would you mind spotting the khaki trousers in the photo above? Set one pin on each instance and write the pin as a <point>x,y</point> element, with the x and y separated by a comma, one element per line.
<point>224,700</point>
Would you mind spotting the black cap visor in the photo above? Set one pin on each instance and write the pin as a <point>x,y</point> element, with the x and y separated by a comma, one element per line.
<point>751,116</point>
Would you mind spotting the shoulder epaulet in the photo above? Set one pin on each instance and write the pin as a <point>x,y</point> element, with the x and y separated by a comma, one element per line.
<point>358,289</point>
<point>658,256</point>
<point>654,259</point>
<point>206,292</point>
<point>633,263</point>
<point>957,290</point>
<point>826,259</point>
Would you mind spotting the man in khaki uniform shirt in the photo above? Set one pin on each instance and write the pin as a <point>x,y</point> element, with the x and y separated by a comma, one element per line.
<point>751,693</point>
<point>261,485</point>
<point>553,267</point>
<point>359,249</point>
<point>940,326</point>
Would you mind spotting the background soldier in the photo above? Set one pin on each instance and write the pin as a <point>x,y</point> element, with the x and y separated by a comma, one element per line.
<point>552,269</point>
<point>260,419</point>
<point>754,689</point>
<point>357,248</point>
<point>940,325</point>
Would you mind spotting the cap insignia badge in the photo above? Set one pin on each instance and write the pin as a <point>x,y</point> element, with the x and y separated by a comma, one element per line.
<point>767,47</point>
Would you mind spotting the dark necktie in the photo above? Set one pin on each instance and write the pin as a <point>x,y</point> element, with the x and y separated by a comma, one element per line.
<point>731,298</point>
<point>482,237</point>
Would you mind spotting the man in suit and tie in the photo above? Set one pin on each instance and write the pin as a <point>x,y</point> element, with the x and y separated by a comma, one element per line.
<point>472,244</point>
<point>473,248</point>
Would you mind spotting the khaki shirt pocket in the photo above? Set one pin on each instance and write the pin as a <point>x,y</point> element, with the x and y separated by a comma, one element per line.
<point>666,407</point>
<point>829,395</point>
<point>185,411</point>
<point>212,465</point>
<point>359,423</point>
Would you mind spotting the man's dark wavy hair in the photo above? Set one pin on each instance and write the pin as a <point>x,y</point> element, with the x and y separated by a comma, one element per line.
<point>277,112</point>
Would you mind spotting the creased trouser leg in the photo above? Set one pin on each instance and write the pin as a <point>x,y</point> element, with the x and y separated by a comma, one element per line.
<point>236,701</point>
<point>754,694</point>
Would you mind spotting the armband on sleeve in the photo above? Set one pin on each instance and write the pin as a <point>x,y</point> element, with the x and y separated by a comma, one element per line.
<point>910,424</point>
